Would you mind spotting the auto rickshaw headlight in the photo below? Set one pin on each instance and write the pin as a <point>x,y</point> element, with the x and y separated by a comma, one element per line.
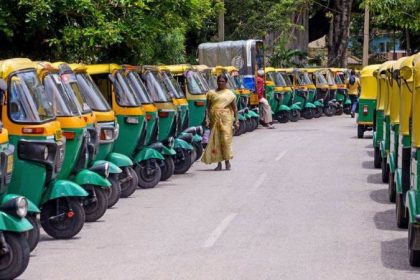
<point>406,72</point>
<point>199,130</point>
<point>45,153</point>
<point>101,169</point>
<point>171,142</point>
<point>107,134</point>
<point>21,206</point>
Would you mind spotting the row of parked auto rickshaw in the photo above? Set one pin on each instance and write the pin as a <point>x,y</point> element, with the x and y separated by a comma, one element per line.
<point>390,105</point>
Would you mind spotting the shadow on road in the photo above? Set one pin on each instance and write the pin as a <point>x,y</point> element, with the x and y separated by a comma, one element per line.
<point>375,179</point>
<point>394,255</point>
<point>370,146</point>
<point>380,196</point>
<point>386,220</point>
<point>368,164</point>
<point>370,153</point>
<point>47,238</point>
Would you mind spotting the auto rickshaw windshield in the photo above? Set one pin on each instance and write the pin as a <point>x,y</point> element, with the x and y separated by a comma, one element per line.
<point>62,104</point>
<point>300,78</point>
<point>27,99</point>
<point>156,87</point>
<point>330,78</point>
<point>72,87</point>
<point>320,79</point>
<point>124,93</point>
<point>278,80</point>
<point>172,86</point>
<point>195,84</point>
<point>306,79</point>
<point>287,79</point>
<point>139,88</point>
<point>339,78</point>
<point>91,93</point>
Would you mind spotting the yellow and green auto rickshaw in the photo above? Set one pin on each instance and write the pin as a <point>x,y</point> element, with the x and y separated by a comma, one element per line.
<point>322,91</point>
<point>340,76</point>
<point>131,117</point>
<point>367,101</point>
<point>39,152</point>
<point>276,92</point>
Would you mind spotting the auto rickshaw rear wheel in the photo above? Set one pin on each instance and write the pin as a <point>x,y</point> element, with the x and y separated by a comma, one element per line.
<point>329,111</point>
<point>385,170</point>
<point>167,168</point>
<point>377,158</point>
<point>96,203</point>
<point>360,131</point>
<point>414,255</point>
<point>14,263</point>
<point>294,115</point>
<point>62,218</point>
<point>183,161</point>
<point>115,190</point>
<point>308,113</point>
<point>401,211</point>
<point>283,116</point>
<point>34,234</point>
<point>347,110</point>
<point>318,112</point>
<point>339,111</point>
<point>148,173</point>
<point>128,181</point>
<point>391,187</point>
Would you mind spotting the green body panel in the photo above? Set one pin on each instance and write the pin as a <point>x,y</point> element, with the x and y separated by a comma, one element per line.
<point>146,154</point>
<point>382,148</point>
<point>87,177</point>
<point>63,188</point>
<point>104,150</point>
<point>295,107</point>
<point>406,141</point>
<point>241,117</point>
<point>340,95</point>
<point>253,114</point>
<point>269,95</point>
<point>311,95</point>
<point>32,208</point>
<point>150,124</point>
<point>72,153</point>
<point>179,143</point>
<point>300,101</point>
<point>413,199</point>
<point>371,105</point>
<point>287,98</point>
<point>348,102</point>
<point>413,195</point>
<point>393,147</point>
<point>28,178</point>
<point>309,105</point>
<point>119,160</point>
<point>184,112</point>
<point>165,125</point>
<point>398,180</point>
<point>318,103</point>
<point>12,223</point>
<point>113,168</point>
<point>284,108</point>
<point>391,162</point>
<point>167,151</point>
<point>387,136</point>
<point>129,135</point>
<point>197,113</point>
<point>379,132</point>
<point>197,138</point>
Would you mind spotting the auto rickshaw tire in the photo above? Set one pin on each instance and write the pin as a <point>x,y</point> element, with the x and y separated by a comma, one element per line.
<point>183,162</point>
<point>414,255</point>
<point>377,157</point>
<point>294,115</point>
<point>242,127</point>
<point>308,113</point>
<point>248,125</point>
<point>283,117</point>
<point>318,112</point>
<point>360,131</point>
<point>339,111</point>
<point>401,211</point>
<point>115,191</point>
<point>347,110</point>
<point>329,111</point>
<point>167,168</point>
<point>34,234</point>
<point>129,187</point>
<point>391,187</point>
<point>96,209</point>
<point>198,150</point>
<point>74,219</point>
<point>17,259</point>
<point>385,170</point>
<point>148,181</point>
<point>255,122</point>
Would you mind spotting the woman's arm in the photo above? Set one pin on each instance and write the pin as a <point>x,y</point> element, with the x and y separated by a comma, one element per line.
<point>207,117</point>
<point>235,111</point>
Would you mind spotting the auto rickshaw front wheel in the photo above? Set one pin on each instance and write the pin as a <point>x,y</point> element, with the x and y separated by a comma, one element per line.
<point>148,173</point>
<point>62,218</point>
<point>129,181</point>
<point>283,116</point>
<point>115,191</point>
<point>14,262</point>
<point>167,168</point>
<point>34,234</point>
<point>391,187</point>
<point>377,159</point>
<point>294,115</point>
<point>329,110</point>
<point>360,131</point>
<point>414,255</point>
<point>182,161</point>
<point>96,203</point>
<point>308,113</point>
<point>339,111</point>
<point>401,211</point>
<point>318,112</point>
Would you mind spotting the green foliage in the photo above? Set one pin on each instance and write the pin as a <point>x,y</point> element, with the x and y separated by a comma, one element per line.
<point>284,57</point>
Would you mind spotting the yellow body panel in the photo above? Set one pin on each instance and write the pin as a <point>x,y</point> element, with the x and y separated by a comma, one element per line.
<point>4,136</point>
<point>72,122</point>
<point>368,82</point>
<point>14,64</point>
<point>415,138</point>
<point>104,116</point>
<point>102,68</point>
<point>150,108</point>
<point>165,106</point>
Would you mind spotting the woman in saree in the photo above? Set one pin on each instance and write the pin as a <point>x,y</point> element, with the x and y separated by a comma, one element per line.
<point>220,115</point>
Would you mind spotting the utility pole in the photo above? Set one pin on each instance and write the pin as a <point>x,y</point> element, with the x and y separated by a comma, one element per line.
<point>221,26</point>
<point>366,37</point>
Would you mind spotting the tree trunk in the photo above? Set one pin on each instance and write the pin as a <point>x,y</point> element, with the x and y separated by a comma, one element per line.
<point>337,50</point>
<point>299,37</point>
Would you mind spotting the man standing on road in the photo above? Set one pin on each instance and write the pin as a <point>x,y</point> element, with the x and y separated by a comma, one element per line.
<point>265,113</point>
<point>353,85</point>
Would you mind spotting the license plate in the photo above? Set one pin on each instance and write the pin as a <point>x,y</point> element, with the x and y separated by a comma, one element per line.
<point>9,164</point>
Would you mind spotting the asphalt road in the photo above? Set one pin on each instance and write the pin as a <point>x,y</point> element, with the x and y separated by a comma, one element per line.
<point>302,201</point>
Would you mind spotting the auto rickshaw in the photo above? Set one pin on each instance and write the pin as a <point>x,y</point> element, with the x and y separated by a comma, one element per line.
<point>152,138</point>
<point>294,115</point>
<point>330,103</point>
<point>413,195</point>
<point>367,100</point>
<point>402,153</point>
<point>386,90</point>
<point>322,92</point>
<point>276,91</point>
<point>39,154</point>
<point>59,88</point>
<point>13,212</point>
<point>108,130</point>
<point>114,86</point>
<point>340,76</point>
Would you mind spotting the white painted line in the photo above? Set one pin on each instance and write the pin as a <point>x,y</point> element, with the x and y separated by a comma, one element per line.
<point>260,181</point>
<point>217,232</point>
<point>281,155</point>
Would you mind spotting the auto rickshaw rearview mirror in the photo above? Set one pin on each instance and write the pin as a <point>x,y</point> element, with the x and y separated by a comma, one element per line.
<point>3,85</point>
<point>406,72</point>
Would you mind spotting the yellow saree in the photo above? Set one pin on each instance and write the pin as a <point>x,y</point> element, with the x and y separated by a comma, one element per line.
<point>219,147</point>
